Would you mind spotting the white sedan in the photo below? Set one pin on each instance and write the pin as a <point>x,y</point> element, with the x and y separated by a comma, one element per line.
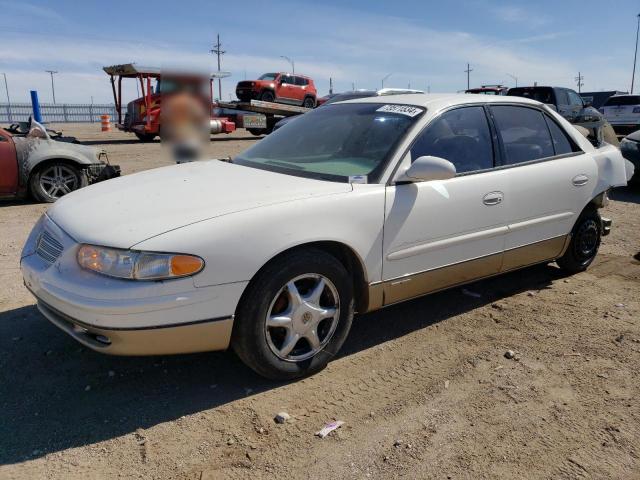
<point>351,208</point>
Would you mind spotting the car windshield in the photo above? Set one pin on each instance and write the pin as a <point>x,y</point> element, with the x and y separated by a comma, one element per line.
<point>334,143</point>
<point>622,100</point>
<point>268,76</point>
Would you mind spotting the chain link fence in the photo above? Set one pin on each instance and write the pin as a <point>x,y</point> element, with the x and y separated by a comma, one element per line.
<point>58,113</point>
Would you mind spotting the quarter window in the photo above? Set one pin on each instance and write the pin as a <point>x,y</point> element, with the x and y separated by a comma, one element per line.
<point>461,136</point>
<point>524,134</point>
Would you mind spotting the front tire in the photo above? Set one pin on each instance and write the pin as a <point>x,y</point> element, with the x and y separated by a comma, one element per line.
<point>294,316</point>
<point>585,241</point>
<point>53,180</point>
<point>268,96</point>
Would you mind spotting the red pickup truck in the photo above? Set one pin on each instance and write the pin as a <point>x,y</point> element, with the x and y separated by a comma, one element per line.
<point>280,87</point>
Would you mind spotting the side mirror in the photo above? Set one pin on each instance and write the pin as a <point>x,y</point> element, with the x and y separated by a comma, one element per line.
<point>429,168</point>
<point>587,104</point>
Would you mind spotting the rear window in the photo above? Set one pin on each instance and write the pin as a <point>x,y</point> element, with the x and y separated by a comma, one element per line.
<point>622,100</point>
<point>540,94</point>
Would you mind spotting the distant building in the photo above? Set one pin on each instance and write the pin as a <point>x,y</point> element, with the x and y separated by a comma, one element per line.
<point>597,99</point>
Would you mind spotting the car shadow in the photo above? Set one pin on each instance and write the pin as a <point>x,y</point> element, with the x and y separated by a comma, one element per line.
<point>56,394</point>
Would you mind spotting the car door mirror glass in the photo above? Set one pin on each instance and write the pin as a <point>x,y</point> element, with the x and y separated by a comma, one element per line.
<point>429,168</point>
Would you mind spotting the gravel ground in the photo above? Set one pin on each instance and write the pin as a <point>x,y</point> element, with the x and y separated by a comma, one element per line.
<point>424,388</point>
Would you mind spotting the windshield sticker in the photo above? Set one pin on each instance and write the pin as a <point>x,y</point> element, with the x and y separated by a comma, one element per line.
<point>407,110</point>
<point>358,179</point>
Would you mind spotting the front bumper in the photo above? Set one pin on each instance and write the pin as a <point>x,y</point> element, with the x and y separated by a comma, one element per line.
<point>125,317</point>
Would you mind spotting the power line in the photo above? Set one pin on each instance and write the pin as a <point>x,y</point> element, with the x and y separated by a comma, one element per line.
<point>217,50</point>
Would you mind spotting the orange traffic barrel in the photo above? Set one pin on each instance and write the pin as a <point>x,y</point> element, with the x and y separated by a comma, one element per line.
<point>106,124</point>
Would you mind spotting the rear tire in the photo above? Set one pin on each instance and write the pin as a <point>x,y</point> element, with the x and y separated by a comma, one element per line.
<point>268,96</point>
<point>257,131</point>
<point>54,180</point>
<point>282,338</point>
<point>309,102</point>
<point>585,241</point>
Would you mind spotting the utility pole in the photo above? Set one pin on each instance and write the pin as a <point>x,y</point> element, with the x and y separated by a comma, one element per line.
<point>514,77</point>
<point>353,86</point>
<point>53,88</point>
<point>468,71</point>
<point>580,83</point>
<point>330,85</point>
<point>217,49</point>
<point>635,55</point>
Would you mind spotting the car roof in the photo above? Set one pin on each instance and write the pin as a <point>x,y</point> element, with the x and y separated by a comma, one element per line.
<point>437,101</point>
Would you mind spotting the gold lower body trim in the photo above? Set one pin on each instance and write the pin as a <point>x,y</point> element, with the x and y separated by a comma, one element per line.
<point>422,283</point>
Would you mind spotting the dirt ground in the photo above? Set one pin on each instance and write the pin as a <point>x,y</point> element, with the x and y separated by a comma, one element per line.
<point>424,388</point>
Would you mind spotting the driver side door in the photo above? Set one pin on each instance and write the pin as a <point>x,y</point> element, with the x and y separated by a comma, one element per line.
<point>442,233</point>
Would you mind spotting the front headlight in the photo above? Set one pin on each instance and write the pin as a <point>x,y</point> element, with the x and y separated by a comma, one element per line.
<point>134,265</point>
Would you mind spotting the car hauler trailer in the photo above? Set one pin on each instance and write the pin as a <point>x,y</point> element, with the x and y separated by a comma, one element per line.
<point>142,116</point>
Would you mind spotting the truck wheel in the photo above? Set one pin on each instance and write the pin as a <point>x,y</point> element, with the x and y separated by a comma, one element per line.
<point>257,131</point>
<point>294,316</point>
<point>585,241</point>
<point>146,137</point>
<point>267,96</point>
<point>309,102</point>
<point>53,180</point>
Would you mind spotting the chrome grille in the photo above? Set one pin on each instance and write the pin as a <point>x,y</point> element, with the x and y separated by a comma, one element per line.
<point>49,249</point>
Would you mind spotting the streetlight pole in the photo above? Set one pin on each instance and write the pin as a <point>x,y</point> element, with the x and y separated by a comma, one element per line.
<point>387,76</point>
<point>293,65</point>
<point>53,88</point>
<point>6,88</point>
<point>514,77</point>
<point>635,55</point>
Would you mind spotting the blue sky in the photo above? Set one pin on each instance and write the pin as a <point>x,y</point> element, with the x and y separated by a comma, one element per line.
<point>357,42</point>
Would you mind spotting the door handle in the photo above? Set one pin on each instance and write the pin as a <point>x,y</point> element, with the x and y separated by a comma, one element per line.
<point>580,180</point>
<point>493,198</point>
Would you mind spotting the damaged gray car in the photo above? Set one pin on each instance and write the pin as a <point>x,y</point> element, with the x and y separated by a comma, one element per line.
<point>47,169</point>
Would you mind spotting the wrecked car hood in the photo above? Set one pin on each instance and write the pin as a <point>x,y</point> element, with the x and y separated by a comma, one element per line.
<point>127,210</point>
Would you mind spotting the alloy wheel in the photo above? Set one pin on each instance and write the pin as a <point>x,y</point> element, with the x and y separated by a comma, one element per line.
<point>58,180</point>
<point>302,317</point>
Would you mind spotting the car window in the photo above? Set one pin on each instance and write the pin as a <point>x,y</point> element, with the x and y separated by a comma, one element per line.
<point>575,99</point>
<point>561,97</point>
<point>524,134</point>
<point>541,94</point>
<point>287,79</point>
<point>562,144</point>
<point>461,136</point>
<point>268,76</point>
<point>301,81</point>
<point>622,100</point>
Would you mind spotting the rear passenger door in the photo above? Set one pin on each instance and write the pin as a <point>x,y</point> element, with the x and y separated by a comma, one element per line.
<point>287,88</point>
<point>549,181</point>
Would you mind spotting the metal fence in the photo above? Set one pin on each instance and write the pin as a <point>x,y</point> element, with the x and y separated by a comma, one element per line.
<point>58,113</point>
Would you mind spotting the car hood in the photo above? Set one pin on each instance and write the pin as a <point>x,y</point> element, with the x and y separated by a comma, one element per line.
<point>125,211</point>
